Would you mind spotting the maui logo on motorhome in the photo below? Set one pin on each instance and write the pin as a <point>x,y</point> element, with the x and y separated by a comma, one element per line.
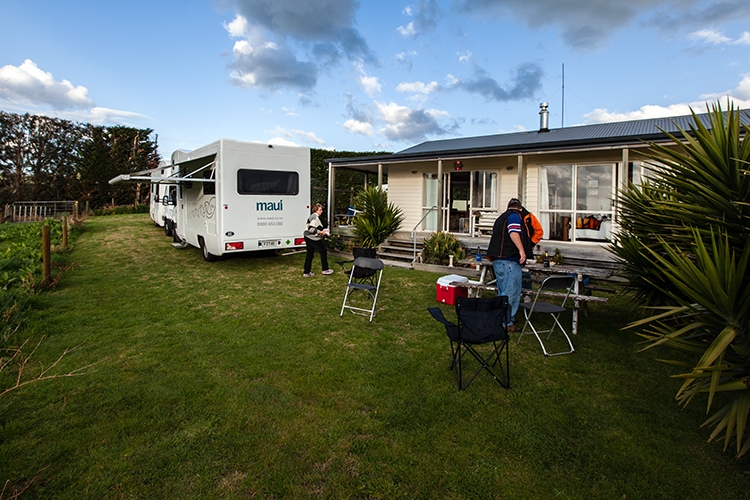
<point>268,206</point>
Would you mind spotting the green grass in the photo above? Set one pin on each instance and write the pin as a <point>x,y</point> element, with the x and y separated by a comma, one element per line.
<point>238,379</point>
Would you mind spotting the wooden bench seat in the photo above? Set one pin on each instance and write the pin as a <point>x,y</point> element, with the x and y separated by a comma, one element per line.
<point>485,221</point>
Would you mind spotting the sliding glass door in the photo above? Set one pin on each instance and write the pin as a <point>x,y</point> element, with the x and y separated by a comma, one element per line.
<point>576,201</point>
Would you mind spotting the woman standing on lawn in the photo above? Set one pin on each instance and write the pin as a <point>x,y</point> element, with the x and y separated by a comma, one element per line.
<point>314,232</point>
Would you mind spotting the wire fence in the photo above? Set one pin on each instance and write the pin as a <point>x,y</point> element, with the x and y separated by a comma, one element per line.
<point>32,211</point>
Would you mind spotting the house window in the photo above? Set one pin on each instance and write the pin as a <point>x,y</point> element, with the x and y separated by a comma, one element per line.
<point>484,189</point>
<point>638,172</point>
<point>576,201</point>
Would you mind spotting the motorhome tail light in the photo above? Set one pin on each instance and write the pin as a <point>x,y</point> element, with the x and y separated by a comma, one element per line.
<point>299,241</point>
<point>236,245</point>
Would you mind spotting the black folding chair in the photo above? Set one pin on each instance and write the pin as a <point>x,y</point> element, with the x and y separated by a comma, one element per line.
<point>480,322</point>
<point>361,274</point>
<point>563,286</point>
<point>366,265</point>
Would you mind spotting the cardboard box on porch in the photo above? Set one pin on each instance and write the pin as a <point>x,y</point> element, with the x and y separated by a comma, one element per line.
<point>447,293</point>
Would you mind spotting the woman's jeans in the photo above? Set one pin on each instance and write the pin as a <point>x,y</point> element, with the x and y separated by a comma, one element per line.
<point>509,277</point>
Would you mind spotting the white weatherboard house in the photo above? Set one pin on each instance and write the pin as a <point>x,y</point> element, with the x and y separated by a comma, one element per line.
<point>569,177</point>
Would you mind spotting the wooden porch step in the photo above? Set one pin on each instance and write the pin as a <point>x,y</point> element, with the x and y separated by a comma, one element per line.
<point>395,256</point>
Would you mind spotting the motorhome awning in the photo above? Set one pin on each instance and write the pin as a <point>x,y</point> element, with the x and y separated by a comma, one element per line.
<point>146,175</point>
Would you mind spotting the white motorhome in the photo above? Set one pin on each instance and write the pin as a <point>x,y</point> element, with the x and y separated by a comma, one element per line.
<point>238,196</point>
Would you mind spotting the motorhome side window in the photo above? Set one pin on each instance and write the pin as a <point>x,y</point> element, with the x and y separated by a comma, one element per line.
<point>267,182</point>
<point>209,187</point>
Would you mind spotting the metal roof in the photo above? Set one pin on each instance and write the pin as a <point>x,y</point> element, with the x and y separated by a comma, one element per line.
<point>569,138</point>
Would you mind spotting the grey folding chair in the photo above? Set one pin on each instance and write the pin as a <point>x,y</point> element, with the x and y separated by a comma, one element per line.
<point>561,286</point>
<point>363,265</point>
<point>361,275</point>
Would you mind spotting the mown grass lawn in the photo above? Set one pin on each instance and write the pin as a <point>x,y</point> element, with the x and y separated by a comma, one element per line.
<point>238,379</point>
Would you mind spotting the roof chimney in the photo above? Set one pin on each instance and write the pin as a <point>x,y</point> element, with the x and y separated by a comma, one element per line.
<point>543,117</point>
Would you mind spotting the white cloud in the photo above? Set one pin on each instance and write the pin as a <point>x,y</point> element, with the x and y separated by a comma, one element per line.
<point>280,141</point>
<point>465,57</point>
<point>261,63</point>
<point>28,85</point>
<point>452,80</point>
<point>426,15</point>
<point>402,58</point>
<point>717,38</point>
<point>237,28</point>
<point>358,127</point>
<point>28,89</point>
<point>586,25</point>
<point>645,112</point>
<point>739,97</point>
<point>370,83</point>
<point>418,87</point>
<point>742,91</point>
<point>405,124</point>
<point>408,30</point>
<point>107,115</point>
<point>330,24</point>
<point>744,39</point>
<point>308,137</point>
<point>709,36</point>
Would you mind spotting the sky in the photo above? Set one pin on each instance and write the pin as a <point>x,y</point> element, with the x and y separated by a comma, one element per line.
<point>373,75</point>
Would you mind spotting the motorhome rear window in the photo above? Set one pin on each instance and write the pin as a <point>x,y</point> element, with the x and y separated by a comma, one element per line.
<point>267,182</point>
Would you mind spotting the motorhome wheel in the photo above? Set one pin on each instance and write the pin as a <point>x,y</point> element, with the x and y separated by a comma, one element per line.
<point>207,256</point>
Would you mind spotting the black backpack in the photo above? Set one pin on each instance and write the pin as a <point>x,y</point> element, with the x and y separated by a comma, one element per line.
<point>527,231</point>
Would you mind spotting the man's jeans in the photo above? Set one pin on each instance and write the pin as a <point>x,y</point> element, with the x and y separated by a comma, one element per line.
<point>508,274</point>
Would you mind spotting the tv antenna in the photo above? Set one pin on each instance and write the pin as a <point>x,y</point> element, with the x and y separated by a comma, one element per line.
<point>562,119</point>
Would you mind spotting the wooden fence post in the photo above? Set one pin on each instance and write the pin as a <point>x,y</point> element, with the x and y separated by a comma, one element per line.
<point>46,267</point>
<point>65,233</point>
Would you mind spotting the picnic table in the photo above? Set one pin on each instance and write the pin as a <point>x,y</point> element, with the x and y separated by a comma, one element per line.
<point>487,281</point>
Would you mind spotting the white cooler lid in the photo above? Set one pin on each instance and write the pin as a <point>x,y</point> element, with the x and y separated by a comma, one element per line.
<point>450,278</point>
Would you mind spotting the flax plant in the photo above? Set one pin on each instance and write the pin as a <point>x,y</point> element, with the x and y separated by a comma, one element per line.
<point>684,245</point>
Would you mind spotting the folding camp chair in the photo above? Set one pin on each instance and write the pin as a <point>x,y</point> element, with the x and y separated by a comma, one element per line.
<point>564,286</point>
<point>361,275</point>
<point>480,321</point>
<point>364,265</point>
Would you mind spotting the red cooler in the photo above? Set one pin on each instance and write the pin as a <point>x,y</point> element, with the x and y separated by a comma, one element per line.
<point>447,293</point>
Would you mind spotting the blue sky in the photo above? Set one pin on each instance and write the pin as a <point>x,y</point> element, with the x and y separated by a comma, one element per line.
<point>370,75</point>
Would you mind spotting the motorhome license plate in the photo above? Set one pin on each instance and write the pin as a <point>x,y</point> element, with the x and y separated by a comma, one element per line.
<point>269,243</point>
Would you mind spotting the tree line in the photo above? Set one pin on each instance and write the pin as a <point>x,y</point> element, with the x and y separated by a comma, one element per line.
<point>51,159</point>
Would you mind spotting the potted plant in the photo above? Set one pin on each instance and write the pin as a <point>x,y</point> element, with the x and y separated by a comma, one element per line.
<point>376,219</point>
<point>438,247</point>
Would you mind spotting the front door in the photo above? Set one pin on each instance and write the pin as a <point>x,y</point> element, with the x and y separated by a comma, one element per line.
<point>457,202</point>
